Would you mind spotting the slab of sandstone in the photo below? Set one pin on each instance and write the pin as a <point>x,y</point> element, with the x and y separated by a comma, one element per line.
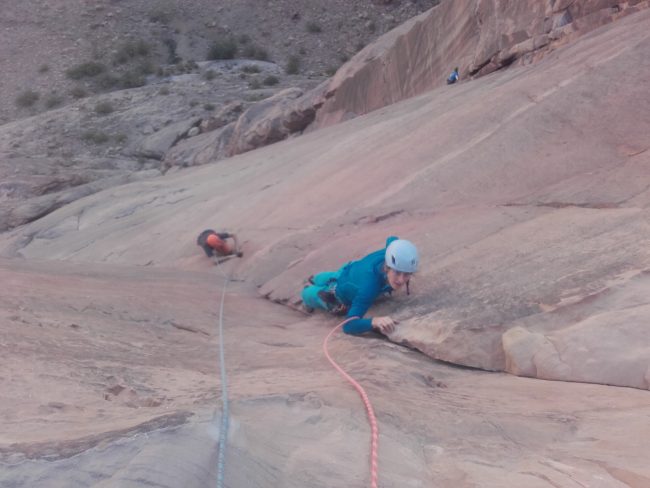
<point>527,192</point>
<point>110,377</point>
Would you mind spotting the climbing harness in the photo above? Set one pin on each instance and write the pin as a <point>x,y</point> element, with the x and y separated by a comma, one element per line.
<point>371,413</point>
<point>225,417</point>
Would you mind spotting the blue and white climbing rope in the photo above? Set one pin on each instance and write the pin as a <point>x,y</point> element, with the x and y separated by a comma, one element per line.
<point>225,415</point>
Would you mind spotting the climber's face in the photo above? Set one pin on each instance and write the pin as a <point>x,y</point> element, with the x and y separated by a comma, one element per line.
<point>397,279</point>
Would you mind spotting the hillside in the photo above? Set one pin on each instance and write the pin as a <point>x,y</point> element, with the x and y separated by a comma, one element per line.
<point>96,93</point>
<point>41,40</point>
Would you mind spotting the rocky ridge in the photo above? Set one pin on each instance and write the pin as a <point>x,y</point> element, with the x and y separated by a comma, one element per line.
<point>85,149</point>
<point>416,57</point>
<point>98,141</point>
<point>41,40</point>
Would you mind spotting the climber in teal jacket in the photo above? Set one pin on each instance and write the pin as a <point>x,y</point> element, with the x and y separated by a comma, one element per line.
<point>353,289</point>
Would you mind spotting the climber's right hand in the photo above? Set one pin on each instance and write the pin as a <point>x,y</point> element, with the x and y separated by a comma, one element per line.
<point>385,325</point>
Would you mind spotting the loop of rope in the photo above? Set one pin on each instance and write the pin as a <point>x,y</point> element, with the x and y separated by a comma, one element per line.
<point>370,411</point>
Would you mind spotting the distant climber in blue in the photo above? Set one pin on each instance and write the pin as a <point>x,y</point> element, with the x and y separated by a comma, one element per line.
<point>453,77</point>
<point>352,290</point>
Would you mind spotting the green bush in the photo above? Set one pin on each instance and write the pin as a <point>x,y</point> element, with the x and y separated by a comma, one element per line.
<point>132,49</point>
<point>96,137</point>
<point>191,65</point>
<point>53,100</point>
<point>293,65</point>
<point>313,27</point>
<point>208,107</point>
<point>172,57</point>
<point>271,80</point>
<point>163,91</point>
<point>223,49</point>
<point>185,67</point>
<point>254,84</point>
<point>256,97</point>
<point>44,68</point>
<point>146,67</point>
<point>132,79</point>
<point>104,108</point>
<point>210,75</point>
<point>251,68</point>
<point>160,16</point>
<point>78,92</point>
<point>108,81</point>
<point>255,52</point>
<point>331,71</point>
<point>85,70</point>
<point>27,98</point>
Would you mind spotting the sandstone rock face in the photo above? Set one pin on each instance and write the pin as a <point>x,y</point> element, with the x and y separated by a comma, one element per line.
<point>125,358</point>
<point>527,193</point>
<point>478,36</point>
<point>585,349</point>
<point>15,212</point>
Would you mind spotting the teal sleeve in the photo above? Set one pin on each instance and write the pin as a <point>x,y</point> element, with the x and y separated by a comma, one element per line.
<point>360,305</point>
<point>358,326</point>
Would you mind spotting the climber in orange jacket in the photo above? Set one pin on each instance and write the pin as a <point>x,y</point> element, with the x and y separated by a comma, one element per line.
<point>216,245</point>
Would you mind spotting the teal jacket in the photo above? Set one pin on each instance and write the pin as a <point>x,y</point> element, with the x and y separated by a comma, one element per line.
<point>358,286</point>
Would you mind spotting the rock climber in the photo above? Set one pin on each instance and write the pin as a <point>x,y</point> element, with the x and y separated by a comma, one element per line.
<point>216,245</point>
<point>453,77</point>
<point>352,289</point>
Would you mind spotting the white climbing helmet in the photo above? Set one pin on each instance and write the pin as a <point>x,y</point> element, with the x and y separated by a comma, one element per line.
<point>402,255</point>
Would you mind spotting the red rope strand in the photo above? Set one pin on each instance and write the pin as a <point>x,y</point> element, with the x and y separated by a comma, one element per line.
<point>371,413</point>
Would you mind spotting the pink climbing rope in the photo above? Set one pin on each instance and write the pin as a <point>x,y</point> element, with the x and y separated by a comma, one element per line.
<point>371,413</point>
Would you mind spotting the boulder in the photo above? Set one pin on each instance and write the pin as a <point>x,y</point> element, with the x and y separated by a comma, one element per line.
<point>228,113</point>
<point>270,120</point>
<point>263,123</point>
<point>202,149</point>
<point>157,144</point>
